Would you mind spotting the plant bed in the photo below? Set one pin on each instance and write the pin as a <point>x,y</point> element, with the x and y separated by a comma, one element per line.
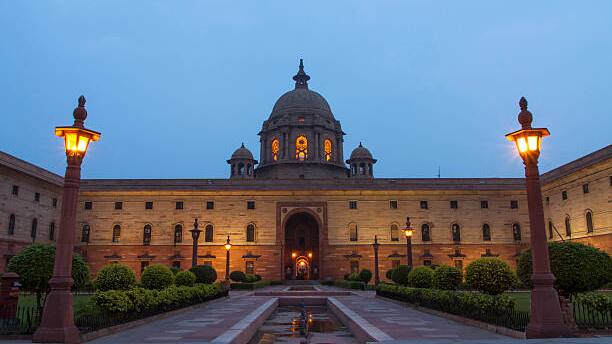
<point>249,285</point>
<point>358,285</point>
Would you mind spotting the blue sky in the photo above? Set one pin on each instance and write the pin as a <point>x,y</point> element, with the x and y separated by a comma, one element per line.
<point>176,86</point>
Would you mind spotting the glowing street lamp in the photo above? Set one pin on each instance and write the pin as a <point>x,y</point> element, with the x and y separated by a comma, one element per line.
<point>195,236</point>
<point>408,231</point>
<point>309,254</point>
<point>376,245</point>
<point>546,318</point>
<point>293,255</point>
<point>57,324</point>
<point>228,247</point>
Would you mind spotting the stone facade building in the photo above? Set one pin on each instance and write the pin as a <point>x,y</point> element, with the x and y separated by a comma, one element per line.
<point>303,211</point>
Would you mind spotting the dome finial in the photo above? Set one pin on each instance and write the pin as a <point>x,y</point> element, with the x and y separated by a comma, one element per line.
<point>80,113</point>
<point>525,117</point>
<point>301,78</point>
<point>242,145</point>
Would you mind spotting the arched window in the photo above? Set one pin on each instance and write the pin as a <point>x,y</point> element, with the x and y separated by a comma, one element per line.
<point>394,232</point>
<point>250,233</point>
<point>208,233</point>
<point>327,147</point>
<point>456,232</point>
<point>301,148</point>
<point>275,149</point>
<point>52,231</point>
<point>353,235</point>
<point>116,233</point>
<point>11,225</point>
<point>178,234</point>
<point>568,226</point>
<point>85,233</point>
<point>425,232</point>
<point>486,232</point>
<point>589,221</point>
<point>146,235</point>
<point>240,169</point>
<point>550,229</point>
<point>516,231</point>
<point>34,228</point>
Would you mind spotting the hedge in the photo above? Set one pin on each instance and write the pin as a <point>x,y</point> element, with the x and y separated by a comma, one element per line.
<point>249,285</point>
<point>349,284</point>
<point>185,278</point>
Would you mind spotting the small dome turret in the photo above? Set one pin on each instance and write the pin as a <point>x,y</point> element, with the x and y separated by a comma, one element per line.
<point>361,163</point>
<point>242,163</point>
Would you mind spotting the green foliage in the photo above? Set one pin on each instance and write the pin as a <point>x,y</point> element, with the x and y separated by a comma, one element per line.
<point>250,285</point>
<point>237,276</point>
<point>175,270</point>
<point>115,277</point>
<point>113,301</point>
<point>389,274</point>
<point>597,301</point>
<point>185,278</point>
<point>490,275</point>
<point>204,274</point>
<point>156,277</point>
<point>354,276</point>
<point>447,278</point>
<point>400,274</point>
<point>34,265</point>
<point>248,278</point>
<point>349,284</point>
<point>577,267</point>
<point>365,276</point>
<point>346,276</point>
<point>420,277</point>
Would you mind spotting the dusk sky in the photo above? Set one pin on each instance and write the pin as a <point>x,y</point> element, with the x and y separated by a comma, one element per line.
<point>176,86</point>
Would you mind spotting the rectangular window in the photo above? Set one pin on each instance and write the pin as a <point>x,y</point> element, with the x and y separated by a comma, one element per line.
<point>454,204</point>
<point>393,204</point>
<point>37,197</point>
<point>459,264</point>
<point>16,190</point>
<point>118,205</point>
<point>395,263</point>
<point>54,202</point>
<point>143,265</point>
<point>484,204</point>
<point>354,266</point>
<point>88,205</point>
<point>424,205</point>
<point>250,267</point>
<point>251,205</point>
<point>148,205</point>
<point>176,264</point>
<point>514,204</point>
<point>179,205</point>
<point>352,204</point>
<point>564,195</point>
<point>210,205</point>
<point>207,262</point>
<point>585,188</point>
<point>427,262</point>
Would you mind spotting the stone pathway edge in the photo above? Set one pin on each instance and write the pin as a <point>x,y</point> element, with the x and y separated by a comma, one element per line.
<point>362,329</point>
<point>247,327</point>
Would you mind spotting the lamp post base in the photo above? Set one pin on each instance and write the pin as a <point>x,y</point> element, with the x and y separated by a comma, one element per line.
<point>58,326</point>
<point>546,317</point>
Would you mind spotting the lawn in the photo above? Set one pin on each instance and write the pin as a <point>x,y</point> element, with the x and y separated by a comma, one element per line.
<point>27,300</point>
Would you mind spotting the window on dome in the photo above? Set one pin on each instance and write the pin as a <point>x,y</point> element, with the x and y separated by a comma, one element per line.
<point>327,146</point>
<point>301,148</point>
<point>275,148</point>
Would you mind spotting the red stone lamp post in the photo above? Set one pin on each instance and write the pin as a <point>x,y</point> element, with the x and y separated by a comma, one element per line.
<point>57,325</point>
<point>228,247</point>
<point>376,245</point>
<point>195,235</point>
<point>408,231</point>
<point>546,318</point>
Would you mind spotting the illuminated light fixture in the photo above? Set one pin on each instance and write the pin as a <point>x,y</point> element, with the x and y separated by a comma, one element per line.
<point>309,254</point>
<point>528,140</point>
<point>227,245</point>
<point>293,255</point>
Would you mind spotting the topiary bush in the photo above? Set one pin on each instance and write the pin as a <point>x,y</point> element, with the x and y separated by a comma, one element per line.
<point>248,278</point>
<point>447,278</point>
<point>389,274</point>
<point>237,276</point>
<point>156,277</point>
<point>204,274</point>
<point>400,274</point>
<point>185,278</point>
<point>577,267</point>
<point>346,276</point>
<point>365,276</point>
<point>490,275</point>
<point>420,277</point>
<point>354,276</point>
<point>115,277</point>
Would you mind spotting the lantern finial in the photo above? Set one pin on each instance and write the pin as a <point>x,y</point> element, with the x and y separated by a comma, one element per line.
<point>525,117</point>
<point>80,113</point>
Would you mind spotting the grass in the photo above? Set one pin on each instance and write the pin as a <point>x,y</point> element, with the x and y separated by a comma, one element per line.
<point>27,300</point>
<point>523,299</point>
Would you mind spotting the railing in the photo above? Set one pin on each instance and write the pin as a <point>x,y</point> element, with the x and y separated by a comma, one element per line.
<point>18,320</point>
<point>587,317</point>
<point>516,320</point>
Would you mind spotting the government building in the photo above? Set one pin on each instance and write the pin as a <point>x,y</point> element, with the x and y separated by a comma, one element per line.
<point>304,209</point>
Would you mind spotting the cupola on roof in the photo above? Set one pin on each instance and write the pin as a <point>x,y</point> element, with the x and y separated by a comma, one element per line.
<point>242,153</point>
<point>361,153</point>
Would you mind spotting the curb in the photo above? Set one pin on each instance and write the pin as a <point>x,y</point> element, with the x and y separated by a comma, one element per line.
<point>361,328</point>
<point>247,327</point>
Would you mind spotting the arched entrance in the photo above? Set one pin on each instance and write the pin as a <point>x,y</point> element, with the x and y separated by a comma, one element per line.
<point>301,247</point>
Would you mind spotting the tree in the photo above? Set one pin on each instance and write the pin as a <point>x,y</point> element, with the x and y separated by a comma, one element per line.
<point>115,277</point>
<point>490,275</point>
<point>577,267</point>
<point>34,265</point>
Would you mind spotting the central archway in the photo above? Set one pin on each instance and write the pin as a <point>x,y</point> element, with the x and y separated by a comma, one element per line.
<point>301,247</point>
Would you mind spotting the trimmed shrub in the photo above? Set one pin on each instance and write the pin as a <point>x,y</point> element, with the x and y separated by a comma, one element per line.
<point>597,301</point>
<point>346,276</point>
<point>400,274</point>
<point>354,276</point>
<point>156,277</point>
<point>248,278</point>
<point>447,278</point>
<point>258,277</point>
<point>349,284</point>
<point>420,277</point>
<point>113,301</point>
<point>115,277</point>
<point>185,278</point>
<point>577,267</point>
<point>490,275</point>
<point>389,274</point>
<point>237,276</point>
<point>250,285</point>
<point>204,274</point>
<point>365,276</point>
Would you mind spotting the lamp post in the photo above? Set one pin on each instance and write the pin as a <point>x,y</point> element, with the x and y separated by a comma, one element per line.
<point>227,246</point>
<point>408,232</point>
<point>376,273</point>
<point>546,318</point>
<point>57,324</point>
<point>195,235</point>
